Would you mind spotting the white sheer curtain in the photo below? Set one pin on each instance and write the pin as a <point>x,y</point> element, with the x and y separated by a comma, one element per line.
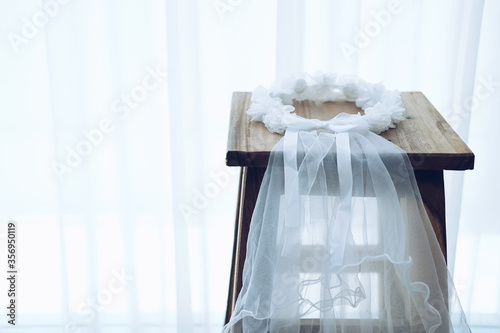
<point>477,271</point>
<point>132,230</point>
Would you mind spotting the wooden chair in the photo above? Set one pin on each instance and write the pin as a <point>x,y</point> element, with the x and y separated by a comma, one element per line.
<point>430,142</point>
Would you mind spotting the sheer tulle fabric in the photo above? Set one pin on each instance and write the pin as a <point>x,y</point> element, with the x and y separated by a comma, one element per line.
<point>340,242</point>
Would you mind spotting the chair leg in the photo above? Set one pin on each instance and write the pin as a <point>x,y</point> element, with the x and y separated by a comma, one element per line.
<point>431,186</point>
<point>250,181</point>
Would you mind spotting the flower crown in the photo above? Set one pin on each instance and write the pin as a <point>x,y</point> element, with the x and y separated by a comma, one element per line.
<point>383,108</point>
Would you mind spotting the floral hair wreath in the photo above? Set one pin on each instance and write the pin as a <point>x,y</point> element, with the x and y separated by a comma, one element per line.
<point>383,108</point>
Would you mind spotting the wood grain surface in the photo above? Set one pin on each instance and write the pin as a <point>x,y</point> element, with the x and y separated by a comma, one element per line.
<point>428,139</point>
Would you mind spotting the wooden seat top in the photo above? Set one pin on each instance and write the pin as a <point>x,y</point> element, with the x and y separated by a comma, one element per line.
<point>428,139</point>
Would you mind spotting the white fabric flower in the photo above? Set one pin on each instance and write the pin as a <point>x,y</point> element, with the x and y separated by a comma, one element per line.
<point>351,92</point>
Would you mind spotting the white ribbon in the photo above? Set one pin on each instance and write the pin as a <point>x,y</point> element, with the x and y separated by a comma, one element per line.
<point>341,123</point>
<point>344,213</point>
<point>292,195</point>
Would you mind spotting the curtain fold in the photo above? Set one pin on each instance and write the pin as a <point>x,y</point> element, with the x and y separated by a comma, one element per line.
<point>479,234</point>
<point>113,132</point>
<point>176,124</point>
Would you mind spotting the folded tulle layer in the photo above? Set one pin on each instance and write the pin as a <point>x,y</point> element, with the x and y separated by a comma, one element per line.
<point>340,242</point>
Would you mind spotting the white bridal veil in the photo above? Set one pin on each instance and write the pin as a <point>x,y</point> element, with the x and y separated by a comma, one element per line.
<point>339,239</point>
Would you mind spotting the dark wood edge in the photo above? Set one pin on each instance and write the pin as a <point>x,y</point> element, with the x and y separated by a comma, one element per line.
<point>235,265</point>
<point>422,161</point>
